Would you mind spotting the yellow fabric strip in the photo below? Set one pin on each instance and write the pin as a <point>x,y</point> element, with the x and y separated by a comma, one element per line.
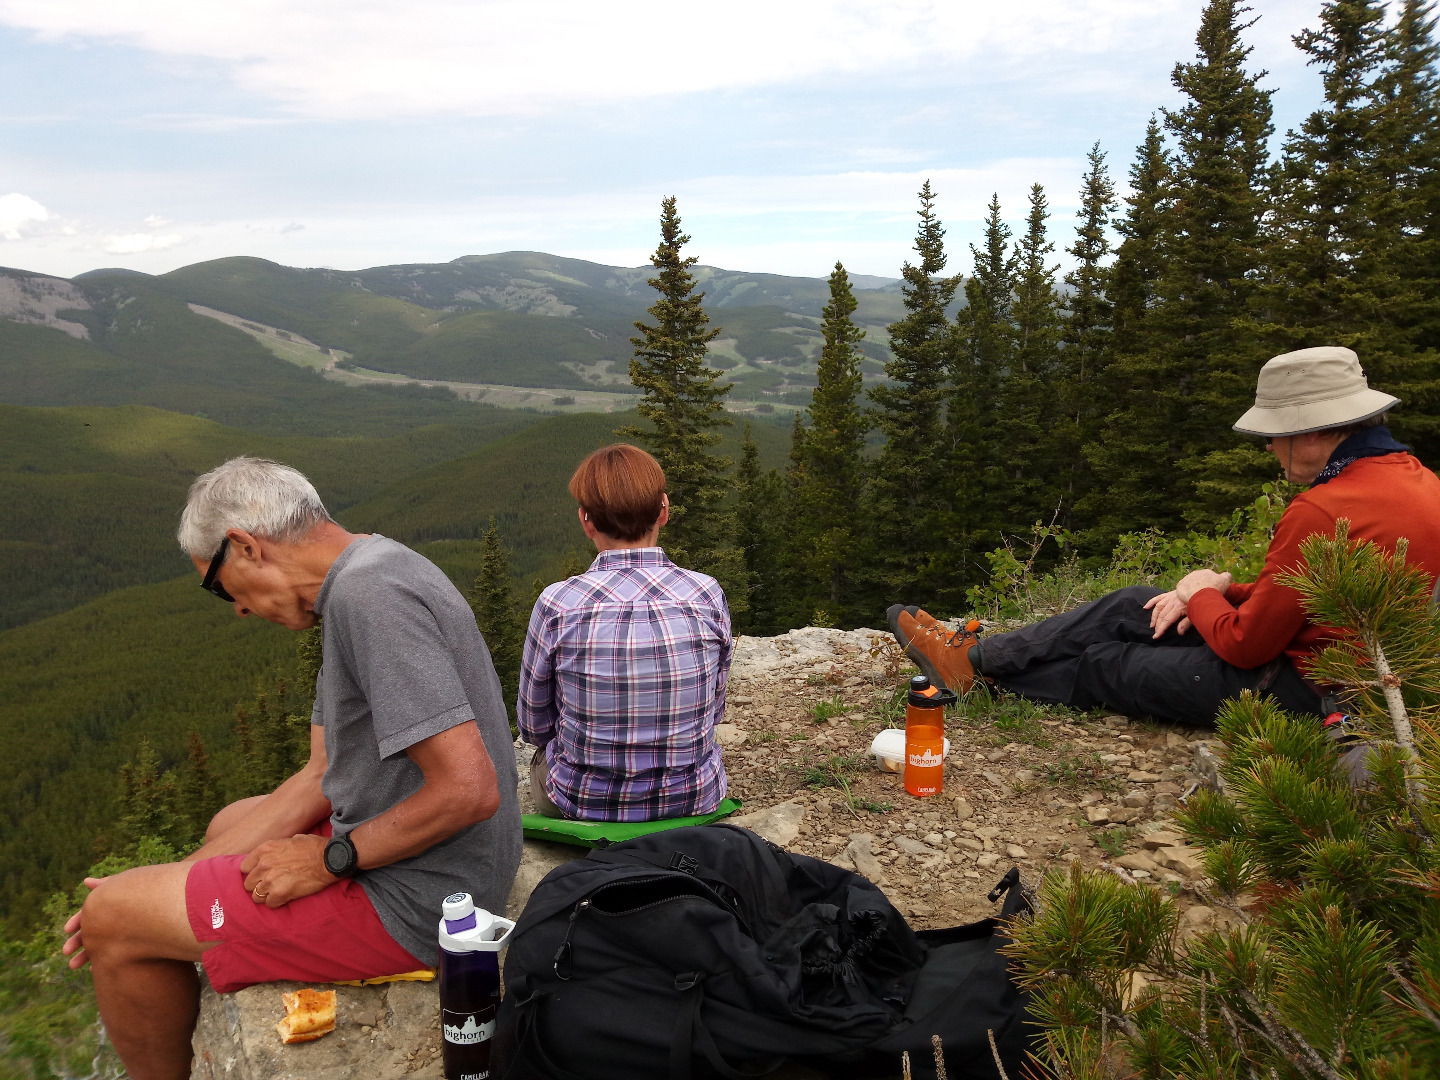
<point>424,975</point>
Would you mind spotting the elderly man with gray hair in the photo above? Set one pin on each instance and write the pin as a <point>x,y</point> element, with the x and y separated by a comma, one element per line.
<point>408,796</point>
<point>1133,650</point>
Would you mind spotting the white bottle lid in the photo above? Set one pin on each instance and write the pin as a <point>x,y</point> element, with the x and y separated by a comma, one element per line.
<point>466,928</point>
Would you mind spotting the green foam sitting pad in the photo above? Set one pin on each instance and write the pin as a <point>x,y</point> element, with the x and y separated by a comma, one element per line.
<point>600,833</point>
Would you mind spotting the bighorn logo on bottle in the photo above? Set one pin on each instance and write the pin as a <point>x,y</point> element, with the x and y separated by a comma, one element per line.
<point>928,760</point>
<point>468,1033</point>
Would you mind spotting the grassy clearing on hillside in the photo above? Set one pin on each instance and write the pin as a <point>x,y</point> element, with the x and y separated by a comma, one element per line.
<point>324,307</point>
<point>153,350</point>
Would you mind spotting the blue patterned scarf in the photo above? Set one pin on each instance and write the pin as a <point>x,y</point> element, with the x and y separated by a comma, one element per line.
<point>1371,442</point>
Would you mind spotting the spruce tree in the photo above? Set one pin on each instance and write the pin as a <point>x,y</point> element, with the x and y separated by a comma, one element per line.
<point>1192,371</point>
<point>1408,165</point>
<point>147,800</point>
<point>492,598</point>
<point>1351,264</point>
<point>984,354</point>
<point>1028,413</point>
<point>1082,393</point>
<point>684,402</point>
<point>910,495</point>
<point>762,520</point>
<point>1141,253</point>
<point>828,470</point>
<point>1104,512</point>
<point>197,792</point>
<point>1336,224</point>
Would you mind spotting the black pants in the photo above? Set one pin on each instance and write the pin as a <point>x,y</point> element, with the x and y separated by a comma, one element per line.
<point>1103,654</point>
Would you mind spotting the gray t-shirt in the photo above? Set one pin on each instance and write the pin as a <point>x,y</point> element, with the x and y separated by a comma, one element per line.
<point>402,661</point>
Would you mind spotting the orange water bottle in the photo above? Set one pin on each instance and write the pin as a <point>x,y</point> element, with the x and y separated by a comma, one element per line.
<point>925,737</point>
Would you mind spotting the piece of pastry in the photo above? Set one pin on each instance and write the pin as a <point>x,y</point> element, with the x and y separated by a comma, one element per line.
<point>308,1015</point>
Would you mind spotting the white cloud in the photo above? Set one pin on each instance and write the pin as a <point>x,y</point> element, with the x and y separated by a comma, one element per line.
<point>18,214</point>
<point>155,221</point>
<point>140,243</point>
<point>374,58</point>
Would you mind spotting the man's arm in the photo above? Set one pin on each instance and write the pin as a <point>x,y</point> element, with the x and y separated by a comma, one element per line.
<point>1271,615</point>
<point>460,788</point>
<point>291,808</point>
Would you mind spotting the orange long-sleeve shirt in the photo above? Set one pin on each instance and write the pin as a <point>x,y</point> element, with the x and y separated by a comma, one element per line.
<point>1384,498</point>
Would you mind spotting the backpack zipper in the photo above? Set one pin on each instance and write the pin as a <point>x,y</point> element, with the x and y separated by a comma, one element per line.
<point>562,954</point>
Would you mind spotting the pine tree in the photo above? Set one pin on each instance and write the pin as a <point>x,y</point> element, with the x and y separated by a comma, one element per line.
<point>761,521</point>
<point>684,401</point>
<point>1191,369</point>
<point>911,491</point>
<point>492,598</point>
<point>1335,972</point>
<point>828,468</point>
<point>1028,413</point>
<point>1088,328</point>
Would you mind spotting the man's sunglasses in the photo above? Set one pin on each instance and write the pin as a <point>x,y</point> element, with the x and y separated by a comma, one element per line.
<point>211,584</point>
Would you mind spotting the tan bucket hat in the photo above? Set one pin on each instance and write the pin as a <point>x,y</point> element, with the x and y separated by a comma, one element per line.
<point>1309,390</point>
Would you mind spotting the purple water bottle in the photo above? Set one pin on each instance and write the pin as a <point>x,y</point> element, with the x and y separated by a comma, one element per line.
<point>470,943</point>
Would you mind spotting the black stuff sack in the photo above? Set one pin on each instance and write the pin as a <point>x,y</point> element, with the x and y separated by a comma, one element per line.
<point>709,952</point>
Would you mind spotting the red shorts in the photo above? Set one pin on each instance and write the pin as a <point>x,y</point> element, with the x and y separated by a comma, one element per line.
<point>329,935</point>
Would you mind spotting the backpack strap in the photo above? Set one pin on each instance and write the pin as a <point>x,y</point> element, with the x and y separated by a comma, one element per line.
<point>690,1029</point>
<point>1013,889</point>
<point>528,1043</point>
<point>676,860</point>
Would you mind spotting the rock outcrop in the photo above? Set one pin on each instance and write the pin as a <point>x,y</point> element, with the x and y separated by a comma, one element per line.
<point>37,299</point>
<point>381,1033</point>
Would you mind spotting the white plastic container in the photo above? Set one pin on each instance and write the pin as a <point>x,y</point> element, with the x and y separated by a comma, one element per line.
<point>889,749</point>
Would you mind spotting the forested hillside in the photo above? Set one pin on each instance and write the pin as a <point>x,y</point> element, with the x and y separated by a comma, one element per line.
<point>524,318</point>
<point>77,693</point>
<point>90,496</point>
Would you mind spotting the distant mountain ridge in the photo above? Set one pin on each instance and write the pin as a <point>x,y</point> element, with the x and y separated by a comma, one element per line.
<point>519,318</point>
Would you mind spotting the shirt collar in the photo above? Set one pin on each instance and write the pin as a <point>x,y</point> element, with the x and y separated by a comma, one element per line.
<point>1368,442</point>
<point>619,558</point>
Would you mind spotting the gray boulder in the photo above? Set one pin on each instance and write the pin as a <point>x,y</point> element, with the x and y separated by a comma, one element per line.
<point>381,1032</point>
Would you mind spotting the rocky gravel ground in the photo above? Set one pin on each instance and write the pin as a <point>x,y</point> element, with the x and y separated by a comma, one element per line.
<point>1025,786</point>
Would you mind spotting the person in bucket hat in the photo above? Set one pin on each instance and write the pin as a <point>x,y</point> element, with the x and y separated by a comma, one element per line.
<point>1178,655</point>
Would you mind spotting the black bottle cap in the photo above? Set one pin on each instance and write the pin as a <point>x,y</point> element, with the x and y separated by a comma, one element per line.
<point>924,696</point>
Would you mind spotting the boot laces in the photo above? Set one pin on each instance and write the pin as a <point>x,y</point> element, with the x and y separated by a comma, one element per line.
<point>950,639</point>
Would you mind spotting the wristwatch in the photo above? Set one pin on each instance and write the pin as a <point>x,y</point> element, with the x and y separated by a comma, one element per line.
<point>341,858</point>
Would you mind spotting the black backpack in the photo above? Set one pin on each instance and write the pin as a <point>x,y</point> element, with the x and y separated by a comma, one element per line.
<point>708,951</point>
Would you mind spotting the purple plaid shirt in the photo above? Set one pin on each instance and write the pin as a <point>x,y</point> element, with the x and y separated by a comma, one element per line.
<point>623,682</point>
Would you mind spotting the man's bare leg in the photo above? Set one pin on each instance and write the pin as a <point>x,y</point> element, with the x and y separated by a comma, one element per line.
<point>232,815</point>
<point>137,937</point>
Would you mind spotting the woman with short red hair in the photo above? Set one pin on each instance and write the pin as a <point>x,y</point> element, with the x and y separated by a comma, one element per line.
<point>623,678</point>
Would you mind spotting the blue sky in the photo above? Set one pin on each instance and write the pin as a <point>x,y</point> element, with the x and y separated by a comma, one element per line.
<point>156,133</point>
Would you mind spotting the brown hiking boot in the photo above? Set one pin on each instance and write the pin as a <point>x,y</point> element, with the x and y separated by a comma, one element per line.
<point>941,653</point>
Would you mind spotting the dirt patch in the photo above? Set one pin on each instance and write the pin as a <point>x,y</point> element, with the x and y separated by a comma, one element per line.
<point>1025,786</point>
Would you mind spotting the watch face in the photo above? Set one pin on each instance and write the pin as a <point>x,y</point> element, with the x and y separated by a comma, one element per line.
<point>337,856</point>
